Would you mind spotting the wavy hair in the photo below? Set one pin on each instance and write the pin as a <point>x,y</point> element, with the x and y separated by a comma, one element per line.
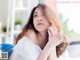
<point>52,18</point>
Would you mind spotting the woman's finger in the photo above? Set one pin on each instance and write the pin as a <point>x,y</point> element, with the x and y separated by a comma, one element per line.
<point>59,40</point>
<point>49,32</point>
<point>53,30</point>
<point>54,27</point>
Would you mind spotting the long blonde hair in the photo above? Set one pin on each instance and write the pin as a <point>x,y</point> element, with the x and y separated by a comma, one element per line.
<point>52,18</point>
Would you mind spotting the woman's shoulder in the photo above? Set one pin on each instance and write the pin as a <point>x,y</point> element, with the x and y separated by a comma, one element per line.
<point>31,35</point>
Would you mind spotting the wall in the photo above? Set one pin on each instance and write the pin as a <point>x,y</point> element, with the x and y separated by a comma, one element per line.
<point>3,10</point>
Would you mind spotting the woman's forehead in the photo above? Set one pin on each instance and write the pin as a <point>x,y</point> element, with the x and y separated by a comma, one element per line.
<point>37,10</point>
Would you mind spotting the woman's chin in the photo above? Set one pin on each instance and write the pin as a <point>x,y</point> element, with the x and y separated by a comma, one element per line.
<point>41,30</point>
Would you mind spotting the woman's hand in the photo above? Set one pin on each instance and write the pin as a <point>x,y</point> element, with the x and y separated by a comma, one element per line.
<point>55,38</point>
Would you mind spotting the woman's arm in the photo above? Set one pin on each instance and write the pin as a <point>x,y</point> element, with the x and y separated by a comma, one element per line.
<point>45,53</point>
<point>56,38</point>
<point>50,48</point>
<point>48,54</point>
<point>53,55</point>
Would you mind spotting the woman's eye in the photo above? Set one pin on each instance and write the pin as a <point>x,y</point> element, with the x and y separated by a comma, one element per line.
<point>35,15</point>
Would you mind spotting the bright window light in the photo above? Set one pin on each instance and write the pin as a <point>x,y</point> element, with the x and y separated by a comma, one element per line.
<point>71,11</point>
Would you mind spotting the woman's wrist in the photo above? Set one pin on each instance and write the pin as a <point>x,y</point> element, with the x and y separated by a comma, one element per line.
<point>45,53</point>
<point>51,45</point>
<point>53,55</point>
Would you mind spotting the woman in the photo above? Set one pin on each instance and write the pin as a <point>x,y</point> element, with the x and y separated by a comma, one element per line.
<point>41,38</point>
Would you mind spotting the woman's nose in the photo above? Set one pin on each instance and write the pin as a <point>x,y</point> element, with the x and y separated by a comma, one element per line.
<point>39,19</point>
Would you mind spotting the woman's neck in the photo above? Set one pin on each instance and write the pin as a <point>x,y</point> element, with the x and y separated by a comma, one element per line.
<point>42,39</point>
<point>43,35</point>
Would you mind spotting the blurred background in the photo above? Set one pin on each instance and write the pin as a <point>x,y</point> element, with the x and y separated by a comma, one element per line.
<point>14,15</point>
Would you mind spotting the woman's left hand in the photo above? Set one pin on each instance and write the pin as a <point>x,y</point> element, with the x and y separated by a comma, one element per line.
<point>53,29</point>
<point>52,32</point>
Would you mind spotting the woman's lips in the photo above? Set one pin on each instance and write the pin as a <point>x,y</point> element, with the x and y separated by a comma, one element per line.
<point>40,24</point>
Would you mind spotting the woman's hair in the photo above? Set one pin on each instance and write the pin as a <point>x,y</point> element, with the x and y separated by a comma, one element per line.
<point>52,19</point>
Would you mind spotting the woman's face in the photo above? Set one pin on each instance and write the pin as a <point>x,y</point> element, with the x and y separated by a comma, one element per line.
<point>40,22</point>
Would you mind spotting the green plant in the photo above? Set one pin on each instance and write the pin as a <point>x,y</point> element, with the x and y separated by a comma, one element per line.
<point>4,28</point>
<point>18,22</point>
<point>65,28</point>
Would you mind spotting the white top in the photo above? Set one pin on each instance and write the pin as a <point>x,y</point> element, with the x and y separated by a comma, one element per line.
<point>27,50</point>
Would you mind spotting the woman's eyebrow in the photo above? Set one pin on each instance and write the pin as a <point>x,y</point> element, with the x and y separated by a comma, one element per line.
<point>35,12</point>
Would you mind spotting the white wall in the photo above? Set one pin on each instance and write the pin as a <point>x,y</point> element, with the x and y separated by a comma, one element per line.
<point>3,10</point>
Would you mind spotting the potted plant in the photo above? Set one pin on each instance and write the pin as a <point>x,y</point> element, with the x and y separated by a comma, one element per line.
<point>4,28</point>
<point>18,24</point>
